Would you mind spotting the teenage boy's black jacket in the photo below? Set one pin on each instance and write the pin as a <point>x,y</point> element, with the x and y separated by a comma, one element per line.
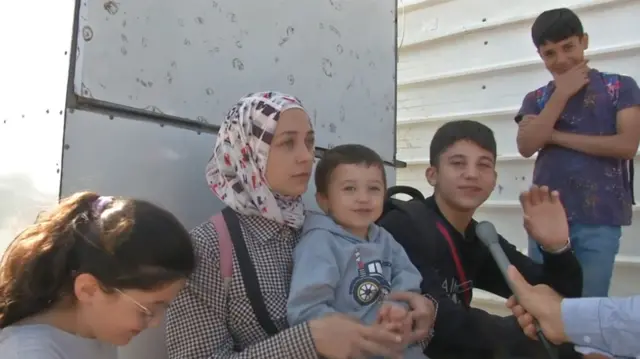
<point>459,329</point>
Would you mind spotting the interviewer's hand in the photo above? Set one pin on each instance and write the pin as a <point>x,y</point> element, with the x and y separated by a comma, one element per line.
<point>539,302</point>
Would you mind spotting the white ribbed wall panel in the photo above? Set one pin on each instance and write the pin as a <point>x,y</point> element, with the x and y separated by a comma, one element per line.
<point>469,59</point>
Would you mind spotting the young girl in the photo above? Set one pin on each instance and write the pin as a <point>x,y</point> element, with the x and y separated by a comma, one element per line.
<point>262,162</point>
<point>93,273</point>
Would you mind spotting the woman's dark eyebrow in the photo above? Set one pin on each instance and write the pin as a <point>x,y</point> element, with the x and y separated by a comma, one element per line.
<point>293,133</point>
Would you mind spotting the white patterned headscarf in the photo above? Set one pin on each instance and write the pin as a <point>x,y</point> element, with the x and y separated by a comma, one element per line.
<point>237,169</point>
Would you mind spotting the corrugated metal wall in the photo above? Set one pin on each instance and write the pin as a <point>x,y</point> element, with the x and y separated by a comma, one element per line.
<point>470,59</point>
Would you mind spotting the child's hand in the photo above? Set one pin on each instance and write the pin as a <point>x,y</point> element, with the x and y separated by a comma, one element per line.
<point>383,313</point>
<point>395,318</point>
<point>401,319</point>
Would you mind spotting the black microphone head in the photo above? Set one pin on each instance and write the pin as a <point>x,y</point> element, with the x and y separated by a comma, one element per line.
<point>487,233</point>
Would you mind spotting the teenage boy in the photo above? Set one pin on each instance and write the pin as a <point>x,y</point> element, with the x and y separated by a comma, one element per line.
<point>453,261</point>
<point>585,126</point>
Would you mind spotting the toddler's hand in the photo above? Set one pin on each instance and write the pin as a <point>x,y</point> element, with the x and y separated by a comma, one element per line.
<point>395,318</point>
<point>401,318</point>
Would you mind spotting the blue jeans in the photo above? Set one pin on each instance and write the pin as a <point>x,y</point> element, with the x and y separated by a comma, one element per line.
<point>596,248</point>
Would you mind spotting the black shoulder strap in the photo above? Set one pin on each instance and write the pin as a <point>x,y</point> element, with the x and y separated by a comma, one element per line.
<point>418,212</point>
<point>248,271</point>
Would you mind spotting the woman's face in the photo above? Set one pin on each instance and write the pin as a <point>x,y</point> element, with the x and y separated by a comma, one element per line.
<point>290,160</point>
<point>117,317</point>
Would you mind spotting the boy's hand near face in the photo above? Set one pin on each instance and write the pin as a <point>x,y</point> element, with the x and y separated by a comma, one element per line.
<point>572,81</point>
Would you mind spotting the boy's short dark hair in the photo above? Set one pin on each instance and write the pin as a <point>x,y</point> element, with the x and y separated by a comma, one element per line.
<point>555,25</point>
<point>350,154</point>
<point>451,132</point>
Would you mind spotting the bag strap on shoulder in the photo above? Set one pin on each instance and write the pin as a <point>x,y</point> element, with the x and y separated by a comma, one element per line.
<point>226,249</point>
<point>612,83</point>
<point>417,212</point>
<point>464,283</point>
<point>230,237</point>
<point>542,96</point>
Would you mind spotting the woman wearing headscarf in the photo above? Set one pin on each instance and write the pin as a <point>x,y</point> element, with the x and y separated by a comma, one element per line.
<point>262,162</point>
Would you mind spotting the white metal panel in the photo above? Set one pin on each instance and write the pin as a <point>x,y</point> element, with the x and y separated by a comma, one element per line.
<point>498,74</point>
<point>194,60</point>
<point>124,157</point>
<point>32,101</point>
<point>483,28</point>
<point>145,160</point>
<point>414,137</point>
<point>478,65</point>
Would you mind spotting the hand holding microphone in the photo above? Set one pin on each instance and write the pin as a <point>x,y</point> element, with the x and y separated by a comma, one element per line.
<point>546,221</point>
<point>487,234</point>
<point>539,303</point>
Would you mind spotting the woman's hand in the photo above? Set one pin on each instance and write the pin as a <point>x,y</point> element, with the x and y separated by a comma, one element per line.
<point>338,336</point>
<point>422,311</point>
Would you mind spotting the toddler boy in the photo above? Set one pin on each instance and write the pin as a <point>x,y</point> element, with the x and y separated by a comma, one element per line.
<point>344,262</point>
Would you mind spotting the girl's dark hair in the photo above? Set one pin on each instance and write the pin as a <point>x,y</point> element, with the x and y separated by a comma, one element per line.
<point>125,244</point>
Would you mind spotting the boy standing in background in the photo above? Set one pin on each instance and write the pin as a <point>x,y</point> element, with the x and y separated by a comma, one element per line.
<point>585,126</point>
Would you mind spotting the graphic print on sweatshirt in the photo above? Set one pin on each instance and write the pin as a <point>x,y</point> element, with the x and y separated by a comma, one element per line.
<point>454,289</point>
<point>370,285</point>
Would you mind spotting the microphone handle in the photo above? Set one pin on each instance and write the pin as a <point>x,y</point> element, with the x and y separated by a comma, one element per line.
<point>503,264</point>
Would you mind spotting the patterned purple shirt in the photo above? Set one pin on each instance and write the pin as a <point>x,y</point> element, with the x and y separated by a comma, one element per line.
<point>594,190</point>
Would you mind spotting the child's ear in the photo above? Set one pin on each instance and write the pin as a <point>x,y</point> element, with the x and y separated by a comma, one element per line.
<point>323,202</point>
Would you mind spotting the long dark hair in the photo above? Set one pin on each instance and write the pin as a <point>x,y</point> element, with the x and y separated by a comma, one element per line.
<point>124,243</point>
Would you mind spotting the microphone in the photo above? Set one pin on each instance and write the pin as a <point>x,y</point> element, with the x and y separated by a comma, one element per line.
<point>487,234</point>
